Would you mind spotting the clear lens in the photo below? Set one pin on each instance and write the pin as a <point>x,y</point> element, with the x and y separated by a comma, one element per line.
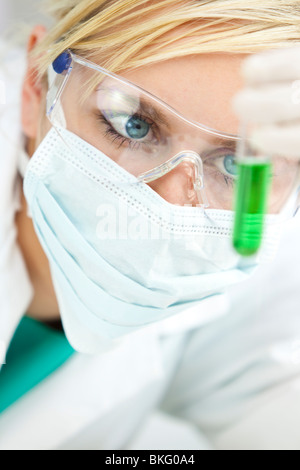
<point>183,161</point>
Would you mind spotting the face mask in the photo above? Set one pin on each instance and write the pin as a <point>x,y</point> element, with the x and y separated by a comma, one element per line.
<point>122,257</point>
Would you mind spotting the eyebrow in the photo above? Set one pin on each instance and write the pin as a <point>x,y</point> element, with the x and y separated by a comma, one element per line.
<point>230,142</point>
<point>144,105</point>
<point>157,115</point>
<point>147,108</point>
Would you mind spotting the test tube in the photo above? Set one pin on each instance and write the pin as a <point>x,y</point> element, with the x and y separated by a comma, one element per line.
<point>254,180</point>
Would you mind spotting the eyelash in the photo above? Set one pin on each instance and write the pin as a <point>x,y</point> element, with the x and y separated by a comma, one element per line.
<point>228,180</point>
<point>111,132</point>
<point>116,137</point>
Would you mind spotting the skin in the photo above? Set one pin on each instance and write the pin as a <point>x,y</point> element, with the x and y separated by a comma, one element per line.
<point>217,74</point>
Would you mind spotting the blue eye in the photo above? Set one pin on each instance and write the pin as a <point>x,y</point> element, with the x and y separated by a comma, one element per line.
<point>132,127</point>
<point>137,128</point>
<point>225,162</point>
<point>229,162</point>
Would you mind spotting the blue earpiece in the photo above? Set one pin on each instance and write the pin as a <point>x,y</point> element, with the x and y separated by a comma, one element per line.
<point>62,62</point>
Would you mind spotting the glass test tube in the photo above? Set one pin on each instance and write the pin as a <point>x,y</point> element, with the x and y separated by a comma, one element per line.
<point>254,180</point>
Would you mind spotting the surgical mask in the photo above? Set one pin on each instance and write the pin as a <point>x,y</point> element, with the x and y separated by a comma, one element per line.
<point>121,256</point>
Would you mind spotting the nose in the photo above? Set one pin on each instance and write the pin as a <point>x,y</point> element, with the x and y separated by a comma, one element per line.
<point>179,180</point>
<point>178,186</point>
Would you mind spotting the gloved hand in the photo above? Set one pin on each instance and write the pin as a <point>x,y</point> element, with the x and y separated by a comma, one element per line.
<point>271,101</point>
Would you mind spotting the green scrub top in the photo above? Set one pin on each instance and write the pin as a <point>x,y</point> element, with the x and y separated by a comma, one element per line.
<point>35,352</point>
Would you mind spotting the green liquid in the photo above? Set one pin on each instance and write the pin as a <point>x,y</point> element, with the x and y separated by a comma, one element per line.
<point>251,204</point>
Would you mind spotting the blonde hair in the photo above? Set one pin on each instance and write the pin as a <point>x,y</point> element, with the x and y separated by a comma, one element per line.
<point>126,34</point>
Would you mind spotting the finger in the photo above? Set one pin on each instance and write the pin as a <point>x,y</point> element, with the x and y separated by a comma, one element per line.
<point>272,66</point>
<point>276,140</point>
<point>267,105</point>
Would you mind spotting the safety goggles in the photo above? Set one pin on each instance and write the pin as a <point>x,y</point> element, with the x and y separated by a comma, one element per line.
<point>153,141</point>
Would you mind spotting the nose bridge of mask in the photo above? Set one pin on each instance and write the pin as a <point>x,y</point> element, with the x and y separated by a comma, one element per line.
<point>189,163</point>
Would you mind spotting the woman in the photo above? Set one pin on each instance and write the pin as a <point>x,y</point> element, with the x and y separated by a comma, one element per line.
<point>129,196</point>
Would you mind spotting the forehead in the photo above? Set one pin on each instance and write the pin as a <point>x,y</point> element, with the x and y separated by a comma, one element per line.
<point>201,87</point>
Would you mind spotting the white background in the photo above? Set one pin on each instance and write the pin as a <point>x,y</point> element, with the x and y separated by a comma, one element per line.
<point>13,12</point>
